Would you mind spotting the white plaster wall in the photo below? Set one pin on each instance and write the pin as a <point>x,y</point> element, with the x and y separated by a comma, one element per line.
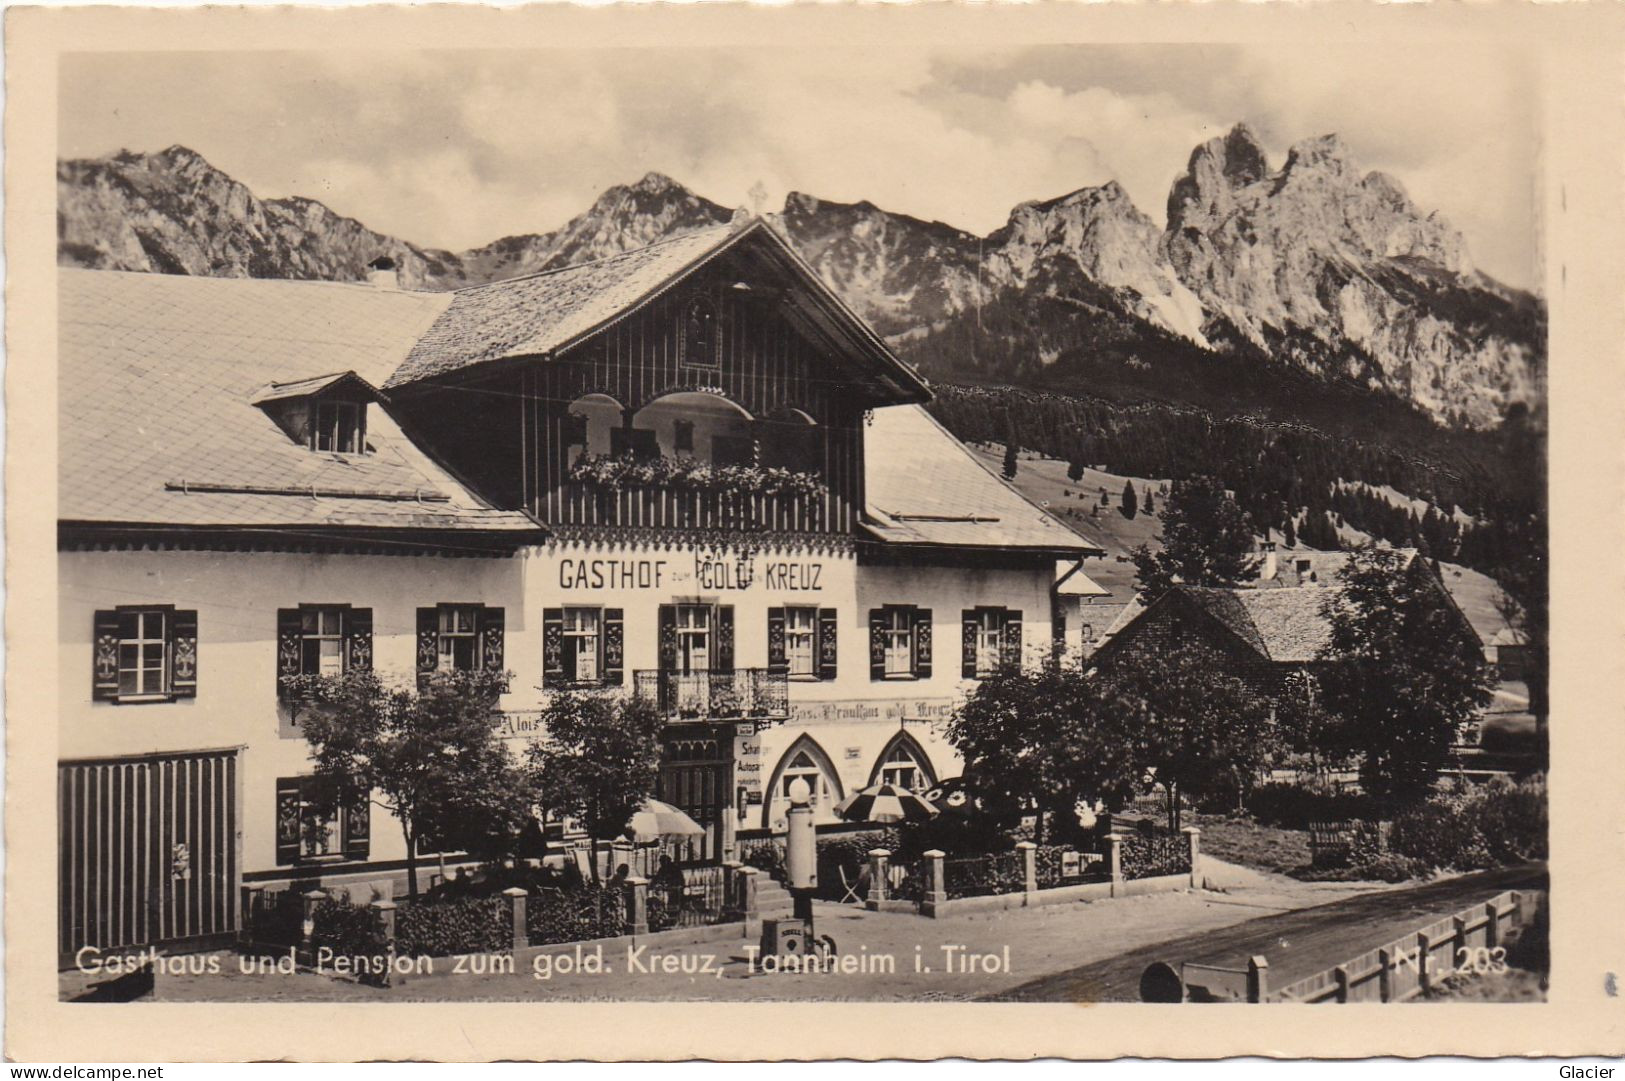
<point>236,596</point>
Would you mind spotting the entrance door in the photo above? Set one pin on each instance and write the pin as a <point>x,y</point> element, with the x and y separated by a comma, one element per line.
<point>696,776</point>
<point>147,851</point>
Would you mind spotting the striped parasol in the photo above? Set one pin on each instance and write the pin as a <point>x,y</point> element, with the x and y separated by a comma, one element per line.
<point>654,820</point>
<point>885,803</point>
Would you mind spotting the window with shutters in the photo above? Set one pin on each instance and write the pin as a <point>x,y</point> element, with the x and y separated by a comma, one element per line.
<point>459,638</point>
<point>144,654</point>
<point>899,642</point>
<point>801,642</point>
<point>582,646</point>
<point>312,826</point>
<point>992,639</point>
<point>321,640</point>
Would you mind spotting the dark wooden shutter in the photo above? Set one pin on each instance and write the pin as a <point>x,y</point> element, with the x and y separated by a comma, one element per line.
<point>288,646</point>
<point>827,624</point>
<point>1010,640</point>
<point>358,827</point>
<point>668,637</point>
<point>289,816</point>
<point>492,625</point>
<point>553,674</point>
<point>183,654</point>
<point>877,643</point>
<point>725,638</point>
<point>967,659</point>
<point>922,643</point>
<point>614,667</point>
<point>428,644</point>
<point>104,656</point>
<point>358,639</point>
<point>775,639</point>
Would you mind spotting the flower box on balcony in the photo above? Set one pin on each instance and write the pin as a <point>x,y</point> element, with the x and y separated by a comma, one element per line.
<point>688,474</point>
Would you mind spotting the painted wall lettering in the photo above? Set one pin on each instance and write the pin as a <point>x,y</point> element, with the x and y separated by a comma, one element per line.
<point>611,573</point>
<point>793,576</point>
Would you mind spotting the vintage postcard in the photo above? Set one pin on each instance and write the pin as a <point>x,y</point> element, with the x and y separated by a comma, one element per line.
<point>938,531</point>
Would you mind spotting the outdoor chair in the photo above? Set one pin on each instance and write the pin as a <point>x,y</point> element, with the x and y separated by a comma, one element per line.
<point>854,889</point>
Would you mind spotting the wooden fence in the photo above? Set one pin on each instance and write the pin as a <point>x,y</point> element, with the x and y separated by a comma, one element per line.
<point>1412,965</point>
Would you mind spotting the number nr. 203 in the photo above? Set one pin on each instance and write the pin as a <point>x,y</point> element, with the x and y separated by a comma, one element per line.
<point>1481,959</point>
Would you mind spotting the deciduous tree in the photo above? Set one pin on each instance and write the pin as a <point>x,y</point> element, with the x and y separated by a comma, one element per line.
<point>1401,671</point>
<point>599,759</point>
<point>431,754</point>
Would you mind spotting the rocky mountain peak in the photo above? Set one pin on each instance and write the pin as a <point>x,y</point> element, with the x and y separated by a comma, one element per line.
<point>1216,169</point>
<point>1326,153</point>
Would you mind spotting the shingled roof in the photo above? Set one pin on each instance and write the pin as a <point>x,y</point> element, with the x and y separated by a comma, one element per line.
<point>158,424</point>
<point>1280,625</point>
<point>924,487</point>
<point>545,314</point>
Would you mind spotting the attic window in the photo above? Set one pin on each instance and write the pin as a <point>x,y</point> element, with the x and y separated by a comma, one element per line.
<point>339,426</point>
<point>701,339</point>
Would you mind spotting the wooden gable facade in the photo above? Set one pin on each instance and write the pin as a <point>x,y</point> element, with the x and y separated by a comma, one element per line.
<point>736,330</point>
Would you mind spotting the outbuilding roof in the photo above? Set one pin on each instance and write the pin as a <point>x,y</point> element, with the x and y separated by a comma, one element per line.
<point>924,487</point>
<point>158,422</point>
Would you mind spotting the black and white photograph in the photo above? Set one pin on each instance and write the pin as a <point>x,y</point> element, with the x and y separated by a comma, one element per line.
<point>909,520</point>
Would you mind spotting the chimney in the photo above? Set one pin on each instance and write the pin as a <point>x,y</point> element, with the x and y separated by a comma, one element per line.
<point>1270,568</point>
<point>383,274</point>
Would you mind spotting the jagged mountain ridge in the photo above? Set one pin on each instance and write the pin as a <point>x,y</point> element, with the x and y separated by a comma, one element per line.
<point>1314,265</point>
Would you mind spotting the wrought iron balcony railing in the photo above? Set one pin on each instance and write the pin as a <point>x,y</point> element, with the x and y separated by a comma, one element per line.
<point>757,694</point>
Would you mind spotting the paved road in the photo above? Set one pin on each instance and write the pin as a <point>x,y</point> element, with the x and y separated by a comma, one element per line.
<point>1298,944</point>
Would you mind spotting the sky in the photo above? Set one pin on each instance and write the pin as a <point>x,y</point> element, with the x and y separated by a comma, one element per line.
<point>456,149</point>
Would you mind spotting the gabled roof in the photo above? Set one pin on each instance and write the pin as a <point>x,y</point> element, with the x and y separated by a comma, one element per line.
<point>924,487</point>
<point>542,315</point>
<point>316,384</point>
<point>1280,625</point>
<point>160,375</point>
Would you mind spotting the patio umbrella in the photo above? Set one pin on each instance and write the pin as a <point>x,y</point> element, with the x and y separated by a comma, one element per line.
<point>885,803</point>
<point>654,820</point>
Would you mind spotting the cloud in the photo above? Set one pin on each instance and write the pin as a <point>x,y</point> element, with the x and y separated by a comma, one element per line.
<point>457,148</point>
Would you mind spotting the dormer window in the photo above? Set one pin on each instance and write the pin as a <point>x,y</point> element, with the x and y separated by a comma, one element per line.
<point>340,426</point>
<point>327,413</point>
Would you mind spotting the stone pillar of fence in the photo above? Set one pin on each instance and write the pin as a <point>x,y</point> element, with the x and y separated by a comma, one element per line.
<point>637,905</point>
<point>1029,869</point>
<point>936,884</point>
<point>747,901</point>
<point>1258,978</point>
<point>730,885</point>
<point>307,928</point>
<point>250,902</point>
<point>1193,844</point>
<point>516,898</point>
<point>1114,861</point>
<point>879,878</point>
<point>383,914</point>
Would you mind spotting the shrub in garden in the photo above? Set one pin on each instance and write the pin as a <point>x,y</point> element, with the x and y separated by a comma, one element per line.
<point>766,856</point>
<point>1512,818</point>
<point>1441,833</point>
<point>577,915</point>
<point>1294,805</point>
<point>348,930</point>
<point>443,928</point>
